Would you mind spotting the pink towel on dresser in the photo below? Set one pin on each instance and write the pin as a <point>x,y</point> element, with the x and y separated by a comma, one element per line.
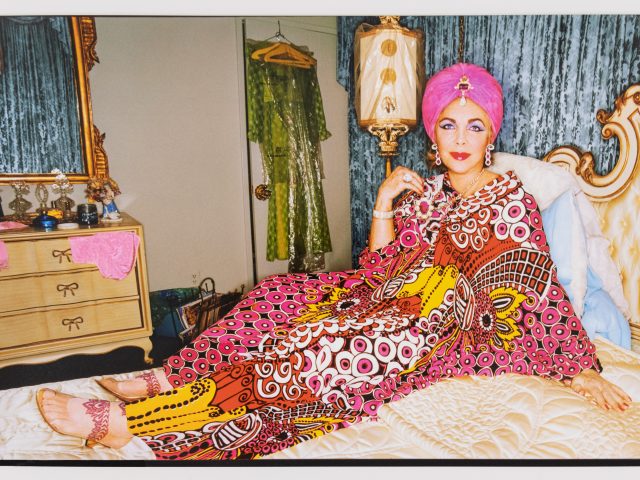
<point>12,226</point>
<point>113,252</point>
<point>4,256</point>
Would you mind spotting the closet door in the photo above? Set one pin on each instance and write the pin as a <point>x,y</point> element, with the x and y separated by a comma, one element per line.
<point>319,35</point>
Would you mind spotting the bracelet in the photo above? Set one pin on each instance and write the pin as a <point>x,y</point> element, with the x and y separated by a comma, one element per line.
<point>383,215</point>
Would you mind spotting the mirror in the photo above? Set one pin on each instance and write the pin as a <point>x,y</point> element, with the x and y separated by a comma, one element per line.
<point>46,120</point>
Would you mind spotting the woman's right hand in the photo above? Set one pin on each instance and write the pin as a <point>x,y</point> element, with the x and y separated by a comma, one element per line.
<point>592,385</point>
<point>395,184</point>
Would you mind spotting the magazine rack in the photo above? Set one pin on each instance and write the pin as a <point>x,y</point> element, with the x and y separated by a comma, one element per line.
<point>206,310</point>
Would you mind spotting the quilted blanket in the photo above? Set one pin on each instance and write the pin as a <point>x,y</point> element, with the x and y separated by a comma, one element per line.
<point>509,416</point>
<point>505,417</point>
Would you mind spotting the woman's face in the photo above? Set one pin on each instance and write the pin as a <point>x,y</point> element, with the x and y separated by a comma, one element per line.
<point>462,133</point>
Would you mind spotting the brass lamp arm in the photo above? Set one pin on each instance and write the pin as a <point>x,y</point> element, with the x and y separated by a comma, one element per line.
<point>388,135</point>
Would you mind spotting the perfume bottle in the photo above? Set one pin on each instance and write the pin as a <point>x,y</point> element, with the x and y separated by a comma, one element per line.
<point>45,222</point>
<point>20,205</point>
<point>63,202</point>
<point>42,195</point>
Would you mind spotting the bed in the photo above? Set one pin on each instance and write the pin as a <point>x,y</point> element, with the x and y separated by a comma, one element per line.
<point>507,417</point>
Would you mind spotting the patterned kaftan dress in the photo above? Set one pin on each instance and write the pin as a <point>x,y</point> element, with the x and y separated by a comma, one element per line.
<point>466,288</point>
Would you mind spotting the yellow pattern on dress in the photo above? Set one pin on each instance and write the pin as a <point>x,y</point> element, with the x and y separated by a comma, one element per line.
<point>431,285</point>
<point>180,410</point>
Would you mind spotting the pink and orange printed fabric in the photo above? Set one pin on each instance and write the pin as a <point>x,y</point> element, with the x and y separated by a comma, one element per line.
<point>466,288</point>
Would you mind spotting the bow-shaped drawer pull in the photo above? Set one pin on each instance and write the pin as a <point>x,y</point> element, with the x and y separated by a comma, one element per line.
<point>68,288</point>
<point>70,322</point>
<point>62,253</point>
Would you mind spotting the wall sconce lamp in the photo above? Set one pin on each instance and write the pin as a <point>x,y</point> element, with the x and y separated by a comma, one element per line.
<point>389,77</point>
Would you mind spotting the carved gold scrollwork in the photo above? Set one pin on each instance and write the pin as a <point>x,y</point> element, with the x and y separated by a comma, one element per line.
<point>388,135</point>
<point>100,155</point>
<point>94,150</point>
<point>624,123</point>
<point>89,40</point>
<point>390,19</point>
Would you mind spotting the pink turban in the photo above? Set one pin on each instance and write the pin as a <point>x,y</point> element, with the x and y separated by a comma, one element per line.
<point>481,87</point>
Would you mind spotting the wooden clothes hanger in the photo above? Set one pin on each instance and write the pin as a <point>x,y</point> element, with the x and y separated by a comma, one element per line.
<point>283,52</point>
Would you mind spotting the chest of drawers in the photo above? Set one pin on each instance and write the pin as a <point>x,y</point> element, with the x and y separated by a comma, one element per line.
<point>51,307</point>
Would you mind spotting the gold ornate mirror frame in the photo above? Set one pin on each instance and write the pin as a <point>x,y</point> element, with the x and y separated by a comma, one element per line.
<point>95,163</point>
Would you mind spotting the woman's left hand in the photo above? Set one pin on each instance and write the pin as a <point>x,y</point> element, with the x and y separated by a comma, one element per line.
<point>592,385</point>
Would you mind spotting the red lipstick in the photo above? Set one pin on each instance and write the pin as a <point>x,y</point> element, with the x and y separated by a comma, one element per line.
<point>460,155</point>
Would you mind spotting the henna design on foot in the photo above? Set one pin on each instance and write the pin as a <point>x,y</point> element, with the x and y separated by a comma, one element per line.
<point>98,410</point>
<point>153,386</point>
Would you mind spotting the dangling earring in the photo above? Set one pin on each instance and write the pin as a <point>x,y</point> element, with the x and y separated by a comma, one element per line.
<point>438,160</point>
<point>487,154</point>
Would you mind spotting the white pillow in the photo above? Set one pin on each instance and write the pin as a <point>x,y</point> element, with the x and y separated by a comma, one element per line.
<point>546,182</point>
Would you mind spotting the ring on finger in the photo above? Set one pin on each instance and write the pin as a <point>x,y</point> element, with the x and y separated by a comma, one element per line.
<point>406,177</point>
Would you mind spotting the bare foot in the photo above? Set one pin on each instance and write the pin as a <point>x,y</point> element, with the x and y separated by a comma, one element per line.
<point>99,420</point>
<point>146,385</point>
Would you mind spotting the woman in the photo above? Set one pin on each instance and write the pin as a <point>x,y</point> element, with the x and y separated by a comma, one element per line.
<point>457,280</point>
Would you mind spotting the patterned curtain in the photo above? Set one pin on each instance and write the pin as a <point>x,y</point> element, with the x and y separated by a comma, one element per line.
<point>556,71</point>
<point>38,100</point>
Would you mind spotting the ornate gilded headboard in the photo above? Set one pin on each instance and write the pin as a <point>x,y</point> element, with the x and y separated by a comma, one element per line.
<point>616,196</point>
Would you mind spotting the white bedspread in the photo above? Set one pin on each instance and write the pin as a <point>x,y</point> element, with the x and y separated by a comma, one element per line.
<point>510,416</point>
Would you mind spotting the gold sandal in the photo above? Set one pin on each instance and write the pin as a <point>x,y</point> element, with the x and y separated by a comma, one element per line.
<point>153,387</point>
<point>119,396</point>
<point>91,441</point>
